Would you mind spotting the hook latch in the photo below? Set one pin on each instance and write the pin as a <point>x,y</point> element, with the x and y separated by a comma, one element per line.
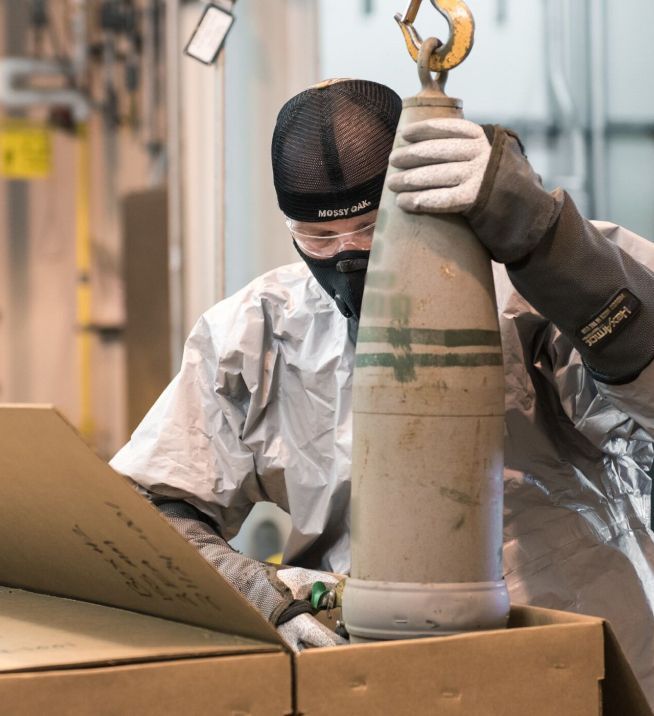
<point>462,33</point>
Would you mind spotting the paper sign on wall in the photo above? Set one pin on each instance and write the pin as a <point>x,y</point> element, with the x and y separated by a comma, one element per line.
<point>25,150</point>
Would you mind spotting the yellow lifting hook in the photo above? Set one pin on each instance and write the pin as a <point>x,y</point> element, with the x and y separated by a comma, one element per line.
<point>462,33</point>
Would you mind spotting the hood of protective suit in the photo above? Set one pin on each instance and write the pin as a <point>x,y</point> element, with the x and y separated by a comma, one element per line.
<point>261,411</point>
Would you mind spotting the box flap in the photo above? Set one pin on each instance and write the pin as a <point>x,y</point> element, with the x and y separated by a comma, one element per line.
<point>71,526</point>
<point>39,631</point>
<point>621,692</point>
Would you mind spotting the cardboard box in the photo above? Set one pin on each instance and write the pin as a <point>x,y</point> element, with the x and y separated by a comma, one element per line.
<point>547,663</point>
<point>70,526</point>
<point>65,657</point>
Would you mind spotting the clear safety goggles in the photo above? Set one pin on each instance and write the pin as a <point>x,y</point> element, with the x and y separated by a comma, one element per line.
<point>327,245</point>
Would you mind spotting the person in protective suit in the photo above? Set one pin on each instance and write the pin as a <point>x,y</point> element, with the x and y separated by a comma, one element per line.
<point>261,408</point>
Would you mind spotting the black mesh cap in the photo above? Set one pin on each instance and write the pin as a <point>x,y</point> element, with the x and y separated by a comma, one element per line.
<point>330,149</point>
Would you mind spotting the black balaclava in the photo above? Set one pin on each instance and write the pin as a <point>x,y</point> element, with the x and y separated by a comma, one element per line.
<point>330,152</point>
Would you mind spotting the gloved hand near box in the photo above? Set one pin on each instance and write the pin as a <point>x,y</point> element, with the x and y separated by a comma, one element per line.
<point>275,593</point>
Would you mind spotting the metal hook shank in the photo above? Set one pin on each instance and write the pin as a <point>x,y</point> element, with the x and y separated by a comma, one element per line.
<point>462,33</point>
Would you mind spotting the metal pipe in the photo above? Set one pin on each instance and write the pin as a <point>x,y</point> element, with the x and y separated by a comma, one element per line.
<point>502,12</point>
<point>151,90</point>
<point>564,107</point>
<point>83,253</point>
<point>175,237</point>
<point>17,227</point>
<point>217,253</point>
<point>598,107</point>
<point>16,93</point>
<point>219,204</point>
<point>83,244</point>
<point>79,34</point>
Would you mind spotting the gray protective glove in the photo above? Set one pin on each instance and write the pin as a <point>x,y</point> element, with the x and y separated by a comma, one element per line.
<point>304,632</point>
<point>449,166</point>
<point>255,580</point>
<point>300,581</point>
<point>443,166</point>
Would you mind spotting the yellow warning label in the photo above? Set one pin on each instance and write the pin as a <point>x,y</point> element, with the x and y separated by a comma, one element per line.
<point>25,151</point>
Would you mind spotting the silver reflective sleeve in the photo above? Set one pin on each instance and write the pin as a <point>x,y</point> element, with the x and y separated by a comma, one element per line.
<point>577,491</point>
<point>260,411</point>
<point>636,399</point>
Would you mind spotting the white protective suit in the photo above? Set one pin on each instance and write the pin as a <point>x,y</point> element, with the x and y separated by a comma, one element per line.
<point>261,411</point>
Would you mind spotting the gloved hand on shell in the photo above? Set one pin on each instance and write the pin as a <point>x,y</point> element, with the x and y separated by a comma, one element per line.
<point>442,165</point>
<point>456,166</point>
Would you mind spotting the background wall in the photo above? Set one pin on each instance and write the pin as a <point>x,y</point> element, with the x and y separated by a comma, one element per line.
<point>272,55</point>
<point>38,320</point>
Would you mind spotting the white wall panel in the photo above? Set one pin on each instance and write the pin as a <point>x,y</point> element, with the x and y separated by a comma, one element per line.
<point>202,129</point>
<point>504,76</point>
<point>272,54</point>
<point>629,60</point>
<point>631,184</point>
